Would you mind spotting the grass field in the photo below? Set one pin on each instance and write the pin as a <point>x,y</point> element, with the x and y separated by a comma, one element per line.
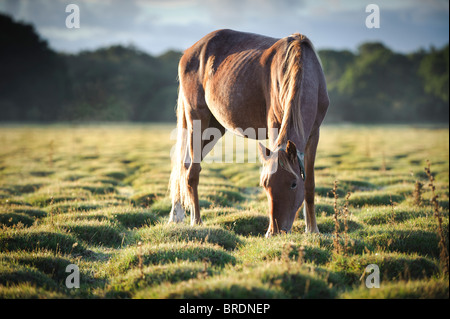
<point>96,196</point>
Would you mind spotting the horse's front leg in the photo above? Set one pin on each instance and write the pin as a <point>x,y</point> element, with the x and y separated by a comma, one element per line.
<point>308,209</point>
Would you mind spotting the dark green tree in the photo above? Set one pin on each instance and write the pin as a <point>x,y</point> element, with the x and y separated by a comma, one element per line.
<point>379,85</point>
<point>33,79</point>
<point>434,72</point>
<point>122,83</point>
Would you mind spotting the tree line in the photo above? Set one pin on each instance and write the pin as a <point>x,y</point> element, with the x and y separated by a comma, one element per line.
<point>123,83</point>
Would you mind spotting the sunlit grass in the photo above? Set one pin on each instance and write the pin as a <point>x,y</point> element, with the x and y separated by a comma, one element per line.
<point>97,196</point>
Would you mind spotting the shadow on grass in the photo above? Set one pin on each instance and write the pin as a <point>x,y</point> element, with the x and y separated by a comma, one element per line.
<point>244,223</point>
<point>393,267</point>
<point>406,241</point>
<point>37,240</point>
<point>11,219</point>
<point>327,225</point>
<point>12,273</point>
<point>105,235</point>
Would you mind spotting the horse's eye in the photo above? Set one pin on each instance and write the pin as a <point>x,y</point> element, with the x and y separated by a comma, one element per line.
<point>294,185</point>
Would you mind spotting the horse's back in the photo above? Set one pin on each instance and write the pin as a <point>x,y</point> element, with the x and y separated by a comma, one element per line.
<point>231,74</point>
<point>225,42</point>
<point>224,68</point>
<point>209,53</point>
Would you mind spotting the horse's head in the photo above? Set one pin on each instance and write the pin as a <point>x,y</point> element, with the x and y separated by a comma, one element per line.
<point>283,180</point>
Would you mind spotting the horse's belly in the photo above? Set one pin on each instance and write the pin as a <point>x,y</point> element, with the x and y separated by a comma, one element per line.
<point>238,105</point>
<point>241,119</point>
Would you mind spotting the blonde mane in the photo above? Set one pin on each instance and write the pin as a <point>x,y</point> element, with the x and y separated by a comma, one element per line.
<point>290,88</point>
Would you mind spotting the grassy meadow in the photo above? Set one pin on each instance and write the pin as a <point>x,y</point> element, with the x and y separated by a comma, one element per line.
<point>96,196</point>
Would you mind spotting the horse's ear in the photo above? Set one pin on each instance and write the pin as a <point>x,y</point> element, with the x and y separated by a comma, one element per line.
<point>291,151</point>
<point>264,153</point>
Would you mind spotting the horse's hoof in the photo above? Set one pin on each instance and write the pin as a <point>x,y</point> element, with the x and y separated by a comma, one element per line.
<point>177,214</point>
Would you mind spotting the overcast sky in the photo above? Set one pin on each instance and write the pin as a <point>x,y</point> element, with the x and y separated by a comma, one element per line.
<point>157,25</point>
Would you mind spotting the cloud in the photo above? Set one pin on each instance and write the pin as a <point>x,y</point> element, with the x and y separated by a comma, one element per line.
<point>243,12</point>
<point>157,25</point>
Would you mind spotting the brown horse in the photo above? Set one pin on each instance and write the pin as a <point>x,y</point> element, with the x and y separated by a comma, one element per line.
<point>236,81</point>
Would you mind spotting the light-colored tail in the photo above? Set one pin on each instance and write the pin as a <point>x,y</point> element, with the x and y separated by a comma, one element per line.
<point>178,182</point>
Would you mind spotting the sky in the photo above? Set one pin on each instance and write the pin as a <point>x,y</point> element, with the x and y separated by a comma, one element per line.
<point>156,26</point>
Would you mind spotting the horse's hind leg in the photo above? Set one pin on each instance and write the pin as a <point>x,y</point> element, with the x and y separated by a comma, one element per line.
<point>186,169</point>
<point>194,117</point>
<point>308,209</point>
<point>197,150</point>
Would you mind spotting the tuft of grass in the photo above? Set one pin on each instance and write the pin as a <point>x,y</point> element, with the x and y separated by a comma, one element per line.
<point>402,240</point>
<point>135,218</point>
<point>381,215</point>
<point>327,225</point>
<point>346,226</point>
<point>374,198</point>
<point>37,239</point>
<point>27,290</point>
<point>393,266</point>
<point>151,254</point>
<point>136,280</point>
<point>44,261</point>
<point>225,197</point>
<point>94,232</point>
<point>337,246</point>
<point>14,274</point>
<point>161,233</point>
<point>245,223</point>
<point>272,280</point>
<point>13,218</point>
<point>418,189</point>
<point>258,249</point>
<point>162,206</point>
<point>143,199</point>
